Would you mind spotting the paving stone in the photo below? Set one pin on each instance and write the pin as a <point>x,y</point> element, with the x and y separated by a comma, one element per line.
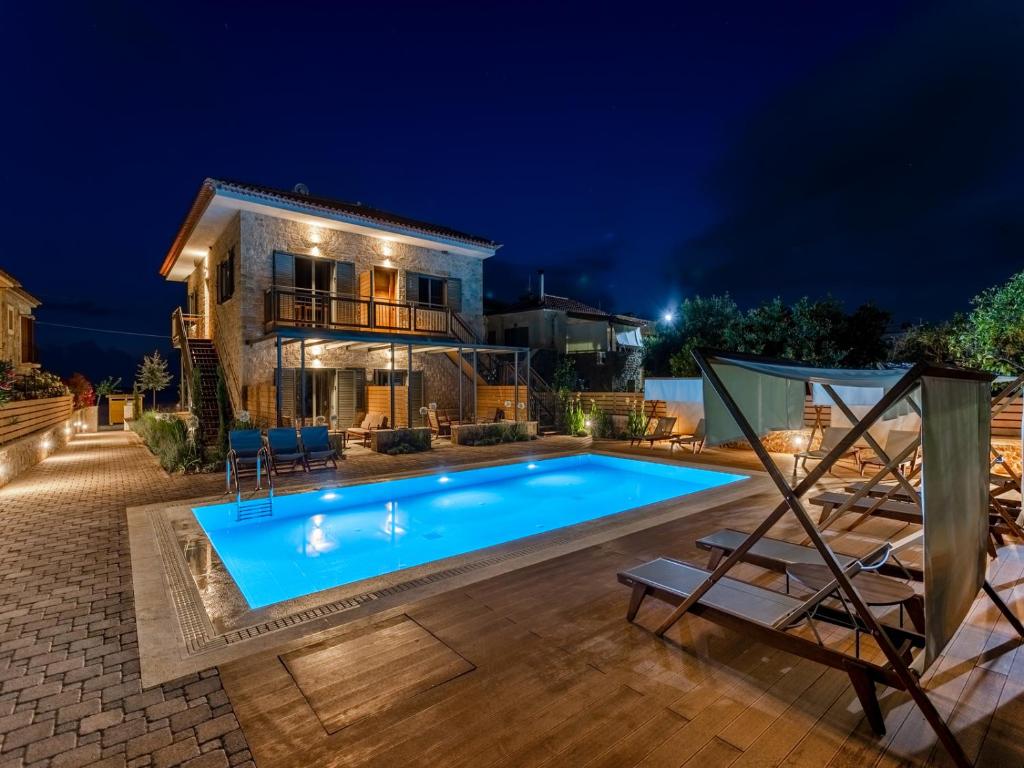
<point>78,757</point>
<point>78,711</point>
<point>190,717</point>
<point>28,734</point>
<point>165,709</point>
<point>100,721</point>
<point>15,721</point>
<point>176,753</point>
<point>143,700</point>
<point>121,733</point>
<point>148,743</point>
<point>39,750</point>
<point>210,760</point>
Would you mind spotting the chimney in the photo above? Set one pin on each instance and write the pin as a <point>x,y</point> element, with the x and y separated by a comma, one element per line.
<point>540,275</point>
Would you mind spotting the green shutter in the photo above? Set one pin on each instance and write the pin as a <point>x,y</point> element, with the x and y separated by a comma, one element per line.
<point>344,312</point>
<point>288,395</point>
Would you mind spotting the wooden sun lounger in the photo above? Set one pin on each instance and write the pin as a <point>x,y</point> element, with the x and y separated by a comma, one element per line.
<point>777,555</point>
<point>764,615</point>
<point>889,509</point>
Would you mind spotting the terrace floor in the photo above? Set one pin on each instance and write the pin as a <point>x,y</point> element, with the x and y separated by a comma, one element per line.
<point>534,667</point>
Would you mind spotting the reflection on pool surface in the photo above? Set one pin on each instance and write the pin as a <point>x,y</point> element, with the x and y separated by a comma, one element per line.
<point>324,539</point>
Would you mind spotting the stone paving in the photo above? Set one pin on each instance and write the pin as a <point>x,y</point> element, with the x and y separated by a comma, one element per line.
<point>70,691</point>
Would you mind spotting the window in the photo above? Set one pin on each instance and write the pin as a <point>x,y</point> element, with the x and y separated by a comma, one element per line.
<point>382,377</point>
<point>226,277</point>
<point>431,291</point>
<point>517,337</point>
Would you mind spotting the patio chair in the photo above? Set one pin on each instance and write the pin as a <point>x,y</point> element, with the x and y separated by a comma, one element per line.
<point>246,451</point>
<point>830,437</point>
<point>663,430</point>
<point>492,417</point>
<point>317,448</point>
<point>695,441</point>
<point>897,441</point>
<point>439,424</point>
<point>371,422</point>
<point>283,444</point>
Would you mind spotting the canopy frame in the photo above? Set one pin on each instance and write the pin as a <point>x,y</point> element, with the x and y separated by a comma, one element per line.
<point>900,668</point>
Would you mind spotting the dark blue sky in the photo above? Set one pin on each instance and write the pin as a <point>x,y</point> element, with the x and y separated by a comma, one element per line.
<point>639,154</point>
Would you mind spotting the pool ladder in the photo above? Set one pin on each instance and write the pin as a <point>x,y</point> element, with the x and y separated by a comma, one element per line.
<point>251,509</point>
<point>256,507</point>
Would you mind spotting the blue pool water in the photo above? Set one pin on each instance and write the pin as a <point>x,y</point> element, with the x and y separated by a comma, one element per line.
<point>324,539</point>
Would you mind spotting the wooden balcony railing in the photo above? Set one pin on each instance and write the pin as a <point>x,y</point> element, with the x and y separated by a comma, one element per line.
<point>304,308</point>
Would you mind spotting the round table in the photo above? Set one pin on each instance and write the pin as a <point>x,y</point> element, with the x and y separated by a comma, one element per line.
<point>875,590</point>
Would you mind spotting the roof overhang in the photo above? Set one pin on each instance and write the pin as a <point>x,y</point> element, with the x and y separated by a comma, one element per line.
<point>218,203</point>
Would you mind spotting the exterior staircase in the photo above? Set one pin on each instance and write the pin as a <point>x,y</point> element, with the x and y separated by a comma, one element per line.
<point>203,358</point>
<point>494,369</point>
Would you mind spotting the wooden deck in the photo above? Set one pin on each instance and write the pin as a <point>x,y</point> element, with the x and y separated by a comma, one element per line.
<point>539,667</point>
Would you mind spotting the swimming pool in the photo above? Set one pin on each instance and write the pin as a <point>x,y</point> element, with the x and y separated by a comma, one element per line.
<point>322,539</point>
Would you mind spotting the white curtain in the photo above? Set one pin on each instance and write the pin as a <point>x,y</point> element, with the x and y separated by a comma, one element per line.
<point>684,399</point>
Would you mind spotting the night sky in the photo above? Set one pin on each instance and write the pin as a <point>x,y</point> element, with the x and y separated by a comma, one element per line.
<point>639,155</point>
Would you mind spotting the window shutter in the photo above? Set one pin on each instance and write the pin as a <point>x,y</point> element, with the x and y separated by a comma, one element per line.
<point>454,290</point>
<point>412,287</point>
<point>416,396</point>
<point>284,276</point>
<point>288,395</point>
<point>347,398</point>
<point>344,312</point>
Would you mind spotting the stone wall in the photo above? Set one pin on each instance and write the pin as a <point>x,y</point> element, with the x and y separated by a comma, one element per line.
<point>24,453</point>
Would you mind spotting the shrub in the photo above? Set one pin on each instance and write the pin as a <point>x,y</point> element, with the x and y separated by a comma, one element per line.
<point>600,421</point>
<point>37,385</point>
<point>169,440</point>
<point>575,418</point>
<point>6,381</point>
<point>81,389</point>
<point>635,420</point>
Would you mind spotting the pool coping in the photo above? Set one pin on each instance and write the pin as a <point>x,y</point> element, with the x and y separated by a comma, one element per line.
<point>177,637</point>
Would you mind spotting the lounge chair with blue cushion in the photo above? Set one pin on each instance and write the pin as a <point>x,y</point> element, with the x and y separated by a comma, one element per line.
<point>246,452</point>
<point>283,443</point>
<point>316,445</point>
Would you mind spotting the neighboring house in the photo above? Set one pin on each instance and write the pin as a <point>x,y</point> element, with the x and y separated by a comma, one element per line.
<point>318,309</point>
<point>17,324</point>
<point>607,348</point>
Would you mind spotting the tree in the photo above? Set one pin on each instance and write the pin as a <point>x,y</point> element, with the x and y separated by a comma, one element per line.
<point>153,375</point>
<point>992,337</point>
<point>109,386</point>
<point>927,343</point>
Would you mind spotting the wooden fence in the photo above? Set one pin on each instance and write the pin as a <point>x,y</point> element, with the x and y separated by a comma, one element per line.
<point>24,417</point>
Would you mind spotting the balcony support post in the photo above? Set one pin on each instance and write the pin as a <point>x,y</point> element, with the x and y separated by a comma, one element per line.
<point>527,411</point>
<point>408,385</point>
<point>302,382</point>
<point>515,388</point>
<point>278,394</point>
<point>475,387</point>
<point>462,375</point>
<point>391,381</point>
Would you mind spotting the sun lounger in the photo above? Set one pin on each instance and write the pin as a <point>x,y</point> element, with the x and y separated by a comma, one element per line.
<point>764,615</point>
<point>371,422</point>
<point>778,555</point>
<point>695,441</point>
<point>897,441</point>
<point>246,452</point>
<point>317,448</point>
<point>662,431</point>
<point>889,509</point>
<point>283,443</point>
<point>492,417</point>
<point>830,437</point>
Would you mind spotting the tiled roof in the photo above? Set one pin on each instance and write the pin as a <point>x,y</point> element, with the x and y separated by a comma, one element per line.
<point>571,307</point>
<point>371,216</point>
<point>15,286</point>
<point>353,209</point>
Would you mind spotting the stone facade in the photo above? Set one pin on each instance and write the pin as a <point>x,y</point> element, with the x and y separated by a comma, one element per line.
<point>237,325</point>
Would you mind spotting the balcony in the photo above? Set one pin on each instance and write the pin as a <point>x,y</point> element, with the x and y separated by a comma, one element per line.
<point>304,308</point>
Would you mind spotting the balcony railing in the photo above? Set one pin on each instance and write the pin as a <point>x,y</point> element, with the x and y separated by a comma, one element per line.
<point>304,308</point>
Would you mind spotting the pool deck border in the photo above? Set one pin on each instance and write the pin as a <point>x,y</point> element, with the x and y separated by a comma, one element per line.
<point>177,637</point>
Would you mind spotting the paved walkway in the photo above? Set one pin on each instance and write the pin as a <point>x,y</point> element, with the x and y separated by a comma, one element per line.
<point>69,665</point>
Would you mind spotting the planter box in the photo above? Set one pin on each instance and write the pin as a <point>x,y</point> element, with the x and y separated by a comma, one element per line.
<point>470,434</point>
<point>383,439</point>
